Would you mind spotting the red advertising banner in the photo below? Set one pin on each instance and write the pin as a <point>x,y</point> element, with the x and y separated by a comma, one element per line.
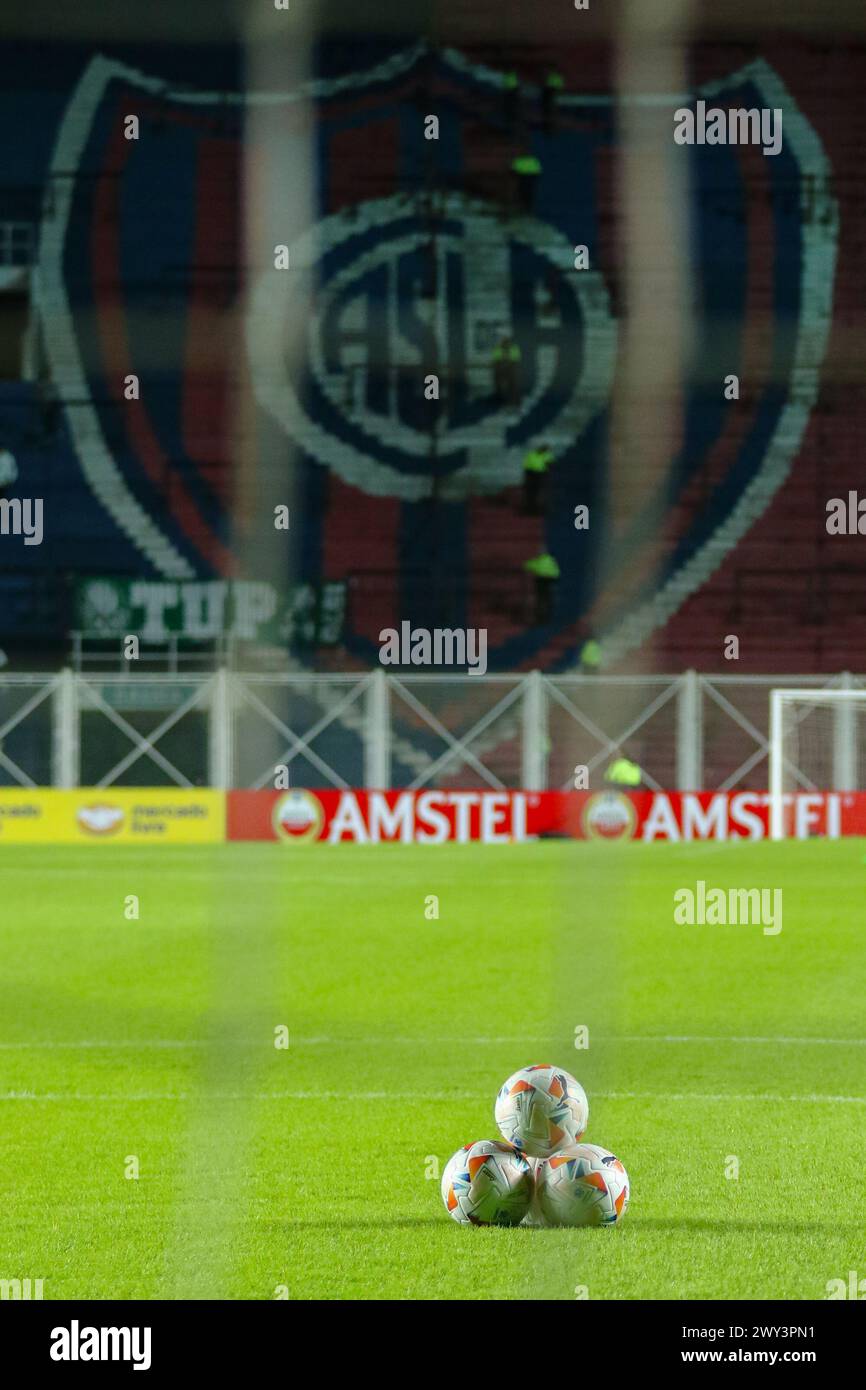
<point>408,817</point>
<point>492,817</point>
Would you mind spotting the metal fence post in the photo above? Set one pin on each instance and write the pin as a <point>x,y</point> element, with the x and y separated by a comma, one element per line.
<point>777,757</point>
<point>377,733</point>
<point>533,775</point>
<point>220,731</point>
<point>690,734</point>
<point>65,750</point>
<point>845,740</point>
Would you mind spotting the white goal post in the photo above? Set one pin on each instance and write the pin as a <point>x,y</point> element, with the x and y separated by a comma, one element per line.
<point>815,746</point>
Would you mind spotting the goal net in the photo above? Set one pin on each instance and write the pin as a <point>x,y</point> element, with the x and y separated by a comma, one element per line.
<point>817,744</point>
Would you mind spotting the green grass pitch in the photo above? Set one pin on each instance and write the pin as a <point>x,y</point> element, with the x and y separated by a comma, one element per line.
<point>148,1045</point>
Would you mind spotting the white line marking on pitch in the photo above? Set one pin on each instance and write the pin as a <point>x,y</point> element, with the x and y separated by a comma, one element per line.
<point>88,1043</point>
<point>713,1038</point>
<point>445,1097</point>
<point>524,1040</point>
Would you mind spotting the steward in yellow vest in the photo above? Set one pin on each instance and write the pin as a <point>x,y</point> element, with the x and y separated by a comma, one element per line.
<point>526,169</point>
<point>506,371</point>
<point>545,573</point>
<point>536,463</point>
<point>623,773</point>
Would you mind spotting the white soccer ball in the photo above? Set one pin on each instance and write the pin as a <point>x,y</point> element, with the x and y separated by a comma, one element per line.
<point>487,1183</point>
<point>542,1109</point>
<point>584,1185</point>
<point>533,1217</point>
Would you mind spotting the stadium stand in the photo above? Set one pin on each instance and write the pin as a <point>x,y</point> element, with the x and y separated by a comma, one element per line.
<point>148,280</point>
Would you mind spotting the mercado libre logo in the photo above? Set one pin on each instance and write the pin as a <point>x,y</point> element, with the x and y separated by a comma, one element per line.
<point>609,816</point>
<point>297,816</point>
<point>100,819</point>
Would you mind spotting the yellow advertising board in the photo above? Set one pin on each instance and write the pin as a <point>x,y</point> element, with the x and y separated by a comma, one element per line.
<point>125,815</point>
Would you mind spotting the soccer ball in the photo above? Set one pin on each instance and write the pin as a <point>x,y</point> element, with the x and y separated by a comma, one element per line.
<point>533,1217</point>
<point>584,1185</point>
<point>487,1184</point>
<point>542,1109</point>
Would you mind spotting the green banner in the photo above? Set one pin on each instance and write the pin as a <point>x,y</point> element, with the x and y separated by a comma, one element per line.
<point>155,610</point>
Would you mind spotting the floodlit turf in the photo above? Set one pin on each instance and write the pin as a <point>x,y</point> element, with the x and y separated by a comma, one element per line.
<point>313,1168</point>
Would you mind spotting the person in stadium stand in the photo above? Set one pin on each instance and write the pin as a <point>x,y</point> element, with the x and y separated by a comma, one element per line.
<point>623,774</point>
<point>506,371</point>
<point>8,470</point>
<point>49,404</point>
<point>551,88</point>
<point>510,99</point>
<point>545,574</point>
<point>589,657</point>
<point>527,171</point>
<point>536,463</point>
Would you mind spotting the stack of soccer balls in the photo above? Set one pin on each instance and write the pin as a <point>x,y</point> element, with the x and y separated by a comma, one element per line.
<point>539,1173</point>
